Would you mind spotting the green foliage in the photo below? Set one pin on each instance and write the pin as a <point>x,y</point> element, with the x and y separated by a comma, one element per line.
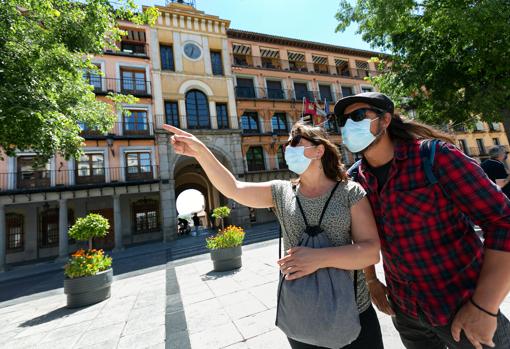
<point>221,212</point>
<point>231,236</point>
<point>45,45</point>
<point>87,263</point>
<point>448,58</point>
<point>89,227</point>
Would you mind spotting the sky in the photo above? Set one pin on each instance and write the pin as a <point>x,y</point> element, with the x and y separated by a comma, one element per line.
<point>312,20</point>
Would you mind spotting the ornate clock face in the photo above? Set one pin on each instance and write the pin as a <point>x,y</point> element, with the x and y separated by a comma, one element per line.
<point>192,50</point>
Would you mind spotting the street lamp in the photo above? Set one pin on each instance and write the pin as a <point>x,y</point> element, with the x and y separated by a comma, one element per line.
<point>109,142</point>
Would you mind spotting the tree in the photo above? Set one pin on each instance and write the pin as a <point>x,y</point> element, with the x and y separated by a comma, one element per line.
<point>448,59</point>
<point>45,45</point>
<point>221,213</point>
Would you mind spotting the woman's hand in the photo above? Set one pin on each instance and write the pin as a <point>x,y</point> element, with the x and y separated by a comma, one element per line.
<point>299,262</point>
<point>378,294</point>
<point>184,143</point>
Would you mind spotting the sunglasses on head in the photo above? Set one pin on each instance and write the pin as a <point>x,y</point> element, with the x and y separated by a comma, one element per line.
<point>294,141</point>
<point>358,115</point>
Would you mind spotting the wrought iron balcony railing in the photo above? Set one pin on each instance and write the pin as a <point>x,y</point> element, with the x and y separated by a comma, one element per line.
<point>123,129</point>
<point>83,177</point>
<point>135,87</point>
<point>247,61</point>
<point>249,92</point>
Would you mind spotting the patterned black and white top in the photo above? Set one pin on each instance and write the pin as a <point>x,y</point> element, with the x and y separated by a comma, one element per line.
<point>336,222</point>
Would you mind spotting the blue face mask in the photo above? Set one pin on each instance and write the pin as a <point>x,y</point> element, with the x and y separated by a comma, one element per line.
<point>356,135</point>
<point>296,159</point>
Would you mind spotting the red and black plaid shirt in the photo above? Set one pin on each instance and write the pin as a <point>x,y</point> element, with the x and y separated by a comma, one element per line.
<point>431,254</point>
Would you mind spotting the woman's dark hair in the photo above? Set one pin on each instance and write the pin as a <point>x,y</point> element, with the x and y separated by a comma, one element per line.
<point>410,130</point>
<point>331,161</point>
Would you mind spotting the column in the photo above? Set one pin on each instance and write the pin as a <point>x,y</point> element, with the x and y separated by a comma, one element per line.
<point>3,244</point>
<point>117,222</point>
<point>212,115</point>
<point>62,230</point>
<point>168,210</point>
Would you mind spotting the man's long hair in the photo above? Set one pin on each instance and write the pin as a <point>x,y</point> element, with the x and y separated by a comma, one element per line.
<point>410,130</point>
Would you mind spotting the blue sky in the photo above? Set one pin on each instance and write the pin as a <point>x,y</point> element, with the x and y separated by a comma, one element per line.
<point>312,20</point>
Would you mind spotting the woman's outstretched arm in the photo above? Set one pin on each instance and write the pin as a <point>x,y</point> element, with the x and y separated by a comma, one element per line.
<point>257,195</point>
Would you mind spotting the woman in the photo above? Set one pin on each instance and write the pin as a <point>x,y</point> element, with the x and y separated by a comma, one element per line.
<point>348,223</point>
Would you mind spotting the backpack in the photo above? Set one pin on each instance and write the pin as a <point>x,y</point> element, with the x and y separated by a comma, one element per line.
<point>427,154</point>
<point>318,309</point>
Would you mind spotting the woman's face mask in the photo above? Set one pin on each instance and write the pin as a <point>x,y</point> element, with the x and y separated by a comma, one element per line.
<point>296,159</point>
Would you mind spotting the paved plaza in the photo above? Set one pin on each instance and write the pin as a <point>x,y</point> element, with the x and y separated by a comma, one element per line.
<point>177,304</point>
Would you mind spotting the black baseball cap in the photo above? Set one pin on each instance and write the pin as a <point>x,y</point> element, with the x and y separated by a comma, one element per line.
<point>376,99</point>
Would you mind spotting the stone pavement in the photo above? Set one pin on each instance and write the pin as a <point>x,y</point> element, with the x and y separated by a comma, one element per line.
<point>179,304</point>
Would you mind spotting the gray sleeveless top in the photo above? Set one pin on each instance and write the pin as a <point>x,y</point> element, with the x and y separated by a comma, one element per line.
<point>336,222</point>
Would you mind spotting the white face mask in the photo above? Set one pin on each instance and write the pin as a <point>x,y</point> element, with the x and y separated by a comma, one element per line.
<point>296,159</point>
<point>356,135</point>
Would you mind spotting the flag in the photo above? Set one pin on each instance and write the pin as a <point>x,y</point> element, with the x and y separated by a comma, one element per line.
<point>320,115</point>
<point>310,108</point>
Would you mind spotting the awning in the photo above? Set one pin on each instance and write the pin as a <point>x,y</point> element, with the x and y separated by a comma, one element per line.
<point>296,56</point>
<point>240,49</point>
<point>269,53</point>
<point>340,62</point>
<point>320,59</point>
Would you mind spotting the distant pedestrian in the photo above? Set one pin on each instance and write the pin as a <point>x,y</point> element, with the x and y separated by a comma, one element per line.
<point>196,222</point>
<point>495,168</point>
<point>328,232</point>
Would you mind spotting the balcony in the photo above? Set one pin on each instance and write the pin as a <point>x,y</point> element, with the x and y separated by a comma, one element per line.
<point>135,87</point>
<point>140,130</point>
<point>477,152</point>
<point>257,62</point>
<point>84,178</point>
<point>246,92</point>
<point>130,49</point>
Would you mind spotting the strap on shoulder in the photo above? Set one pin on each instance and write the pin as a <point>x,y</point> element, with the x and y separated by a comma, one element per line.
<point>354,170</point>
<point>427,154</point>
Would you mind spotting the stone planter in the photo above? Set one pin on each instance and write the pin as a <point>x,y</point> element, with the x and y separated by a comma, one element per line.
<point>88,290</point>
<point>225,259</point>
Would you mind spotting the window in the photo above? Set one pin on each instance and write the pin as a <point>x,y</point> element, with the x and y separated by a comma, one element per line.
<point>222,115</point>
<point>241,60</point>
<point>274,90</point>
<point>167,57</point>
<point>347,91</point>
<point>138,166</point>
<point>133,42</point>
<point>172,113</point>
<point>48,228</point>
<point>245,88</point>
<point>279,123</point>
<point>146,216</point>
<point>479,126</point>
<point>342,67</point>
<point>494,126</point>
<point>325,91</point>
<point>320,64</point>
<point>463,146</point>
<point>133,81</point>
<point>30,177</point>
<point>90,169</point>
<point>367,89</point>
<point>495,141</point>
<point>301,90</point>
<point>362,68</point>
<point>282,164</point>
<point>197,108</point>
<point>15,231</point>
<point>94,78</point>
<point>250,122</point>
<point>255,159</point>
<point>297,61</point>
<point>216,63</point>
<point>481,146</point>
<point>136,122</point>
<point>331,125</point>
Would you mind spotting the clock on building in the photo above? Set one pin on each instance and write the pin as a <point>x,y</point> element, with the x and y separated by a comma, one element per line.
<point>192,50</point>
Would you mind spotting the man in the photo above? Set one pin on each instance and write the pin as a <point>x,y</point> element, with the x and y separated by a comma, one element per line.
<point>445,287</point>
<point>495,169</point>
<point>196,223</point>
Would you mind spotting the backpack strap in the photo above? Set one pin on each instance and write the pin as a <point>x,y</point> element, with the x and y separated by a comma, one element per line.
<point>323,210</point>
<point>354,170</point>
<point>427,154</point>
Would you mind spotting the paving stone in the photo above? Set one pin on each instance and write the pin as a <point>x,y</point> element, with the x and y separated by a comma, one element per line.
<point>100,335</point>
<point>257,324</point>
<point>216,337</point>
<point>61,343</point>
<point>274,340</point>
<point>143,324</point>
<point>143,339</point>
<point>67,331</point>
<point>177,340</point>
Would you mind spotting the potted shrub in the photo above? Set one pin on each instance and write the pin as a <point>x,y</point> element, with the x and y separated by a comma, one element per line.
<point>88,273</point>
<point>226,248</point>
<point>221,213</point>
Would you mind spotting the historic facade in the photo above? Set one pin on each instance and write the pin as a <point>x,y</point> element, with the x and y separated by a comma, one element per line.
<point>239,92</point>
